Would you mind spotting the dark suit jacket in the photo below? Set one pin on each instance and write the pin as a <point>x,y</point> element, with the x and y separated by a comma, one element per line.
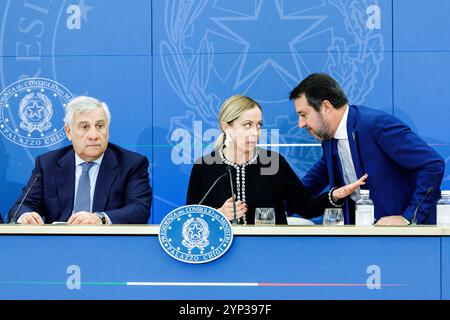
<point>401,166</point>
<point>122,189</point>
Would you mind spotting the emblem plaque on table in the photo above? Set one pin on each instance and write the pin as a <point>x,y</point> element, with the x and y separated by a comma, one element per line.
<point>195,234</point>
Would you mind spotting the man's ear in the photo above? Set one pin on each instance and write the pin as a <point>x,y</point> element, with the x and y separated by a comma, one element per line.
<point>68,132</point>
<point>327,106</point>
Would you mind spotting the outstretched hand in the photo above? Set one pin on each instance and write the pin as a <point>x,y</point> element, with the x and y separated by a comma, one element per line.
<point>342,192</point>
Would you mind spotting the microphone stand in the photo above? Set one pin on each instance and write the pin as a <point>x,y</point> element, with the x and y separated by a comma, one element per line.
<point>13,220</point>
<point>212,187</point>
<point>414,219</point>
<point>234,221</point>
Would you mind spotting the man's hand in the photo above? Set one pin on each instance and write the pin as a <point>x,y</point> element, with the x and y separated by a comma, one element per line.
<point>342,192</point>
<point>84,217</point>
<point>392,221</point>
<point>30,218</point>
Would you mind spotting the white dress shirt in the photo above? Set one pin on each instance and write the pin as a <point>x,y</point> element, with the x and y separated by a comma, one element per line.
<point>345,155</point>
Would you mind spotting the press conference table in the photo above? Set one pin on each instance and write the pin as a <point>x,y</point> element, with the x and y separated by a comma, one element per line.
<point>279,262</point>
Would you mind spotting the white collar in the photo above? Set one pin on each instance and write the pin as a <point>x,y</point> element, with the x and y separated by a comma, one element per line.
<point>79,161</point>
<point>341,131</point>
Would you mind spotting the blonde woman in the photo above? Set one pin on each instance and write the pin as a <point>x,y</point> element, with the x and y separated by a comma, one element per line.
<point>255,186</point>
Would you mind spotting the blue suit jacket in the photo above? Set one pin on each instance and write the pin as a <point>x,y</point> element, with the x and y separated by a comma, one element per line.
<point>401,166</point>
<point>122,189</point>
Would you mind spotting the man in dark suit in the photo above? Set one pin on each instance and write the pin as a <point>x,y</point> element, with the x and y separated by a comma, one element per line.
<point>402,169</point>
<point>92,181</point>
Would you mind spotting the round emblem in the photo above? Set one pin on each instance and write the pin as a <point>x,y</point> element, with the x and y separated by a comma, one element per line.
<point>195,234</point>
<point>32,112</point>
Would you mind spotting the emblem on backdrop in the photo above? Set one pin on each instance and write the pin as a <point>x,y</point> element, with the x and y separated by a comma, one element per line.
<point>32,112</point>
<point>347,33</point>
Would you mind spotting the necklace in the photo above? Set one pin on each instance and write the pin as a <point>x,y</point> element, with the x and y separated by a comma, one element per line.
<point>240,177</point>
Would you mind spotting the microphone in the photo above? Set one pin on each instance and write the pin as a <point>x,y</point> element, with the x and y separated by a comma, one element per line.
<point>36,178</point>
<point>414,220</point>
<point>212,187</point>
<point>234,221</point>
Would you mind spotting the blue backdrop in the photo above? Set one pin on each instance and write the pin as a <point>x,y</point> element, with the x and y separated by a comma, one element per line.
<point>165,66</point>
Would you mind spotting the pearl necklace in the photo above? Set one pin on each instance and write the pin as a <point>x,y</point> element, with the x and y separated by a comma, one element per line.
<point>240,178</point>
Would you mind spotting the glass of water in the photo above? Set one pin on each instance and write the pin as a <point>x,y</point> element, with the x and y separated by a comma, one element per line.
<point>265,216</point>
<point>333,216</point>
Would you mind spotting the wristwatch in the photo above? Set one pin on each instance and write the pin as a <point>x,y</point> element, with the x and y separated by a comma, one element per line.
<point>101,216</point>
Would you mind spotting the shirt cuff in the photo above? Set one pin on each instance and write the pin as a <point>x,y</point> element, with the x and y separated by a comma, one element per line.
<point>108,220</point>
<point>406,220</point>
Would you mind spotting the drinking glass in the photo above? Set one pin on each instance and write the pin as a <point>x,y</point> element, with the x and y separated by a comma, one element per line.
<point>265,216</point>
<point>333,216</point>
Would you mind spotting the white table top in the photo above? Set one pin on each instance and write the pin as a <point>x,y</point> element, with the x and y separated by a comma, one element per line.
<point>6,229</point>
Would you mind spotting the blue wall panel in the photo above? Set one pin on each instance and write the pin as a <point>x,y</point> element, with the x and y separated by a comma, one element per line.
<point>266,26</point>
<point>421,98</point>
<point>163,64</point>
<point>112,27</point>
<point>421,25</point>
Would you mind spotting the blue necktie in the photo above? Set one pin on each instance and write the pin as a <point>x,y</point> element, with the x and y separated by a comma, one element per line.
<point>338,166</point>
<point>83,198</point>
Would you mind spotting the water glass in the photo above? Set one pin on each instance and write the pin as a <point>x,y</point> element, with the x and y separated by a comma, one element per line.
<point>333,216</point>
<point>265,216</point>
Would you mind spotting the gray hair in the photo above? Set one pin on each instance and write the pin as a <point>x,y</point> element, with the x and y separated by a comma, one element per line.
<point>82,104</point>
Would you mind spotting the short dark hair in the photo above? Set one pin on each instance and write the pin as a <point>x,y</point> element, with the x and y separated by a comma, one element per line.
<point>318,87</point>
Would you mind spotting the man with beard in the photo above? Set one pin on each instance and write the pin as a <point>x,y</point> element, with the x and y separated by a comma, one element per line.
<point>402,169</point>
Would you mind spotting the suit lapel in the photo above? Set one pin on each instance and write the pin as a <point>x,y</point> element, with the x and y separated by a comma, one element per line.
<point>65,181</point>
<point>353,141</point>
<point>106,176</point>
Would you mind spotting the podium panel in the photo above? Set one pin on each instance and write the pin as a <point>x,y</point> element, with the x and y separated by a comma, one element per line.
<point>125,262</point>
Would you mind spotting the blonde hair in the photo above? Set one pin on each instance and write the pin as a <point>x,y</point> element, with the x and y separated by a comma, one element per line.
<point>232,109</point>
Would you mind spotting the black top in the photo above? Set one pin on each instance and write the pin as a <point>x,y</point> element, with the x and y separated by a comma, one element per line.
<point>265,187</point>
